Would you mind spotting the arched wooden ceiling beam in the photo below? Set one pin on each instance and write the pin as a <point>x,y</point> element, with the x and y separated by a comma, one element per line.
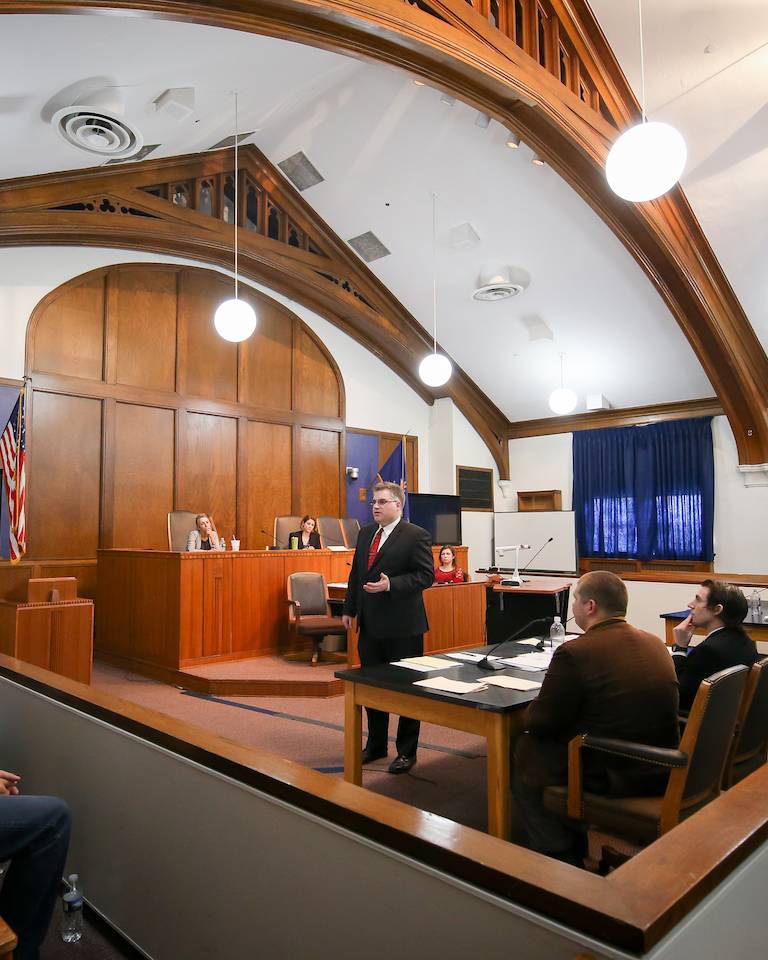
<point>466,56</point>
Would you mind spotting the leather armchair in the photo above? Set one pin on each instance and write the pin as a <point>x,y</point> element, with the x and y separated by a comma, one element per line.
<point>750,742</point>
<point>309,613</point>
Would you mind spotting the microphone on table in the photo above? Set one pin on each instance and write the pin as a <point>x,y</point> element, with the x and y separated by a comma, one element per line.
<point>279,545</point>
<point>485,663</point>
<point>546,542</point>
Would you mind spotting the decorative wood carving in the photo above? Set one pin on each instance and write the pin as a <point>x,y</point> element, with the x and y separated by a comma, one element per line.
<point>132,206</point>
<point>455,48</point>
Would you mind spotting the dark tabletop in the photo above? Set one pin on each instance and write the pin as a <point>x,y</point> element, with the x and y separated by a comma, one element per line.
<point>497,699</point>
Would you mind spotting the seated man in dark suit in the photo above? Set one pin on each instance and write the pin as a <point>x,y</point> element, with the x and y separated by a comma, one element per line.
<point>34,836</point>
<point>720,609</point>
<point>612,681</point>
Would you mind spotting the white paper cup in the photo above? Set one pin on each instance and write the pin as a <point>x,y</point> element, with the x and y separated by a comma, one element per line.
<point>235,544</point>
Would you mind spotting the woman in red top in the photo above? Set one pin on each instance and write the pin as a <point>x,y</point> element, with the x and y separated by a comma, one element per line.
<point>447,571</point>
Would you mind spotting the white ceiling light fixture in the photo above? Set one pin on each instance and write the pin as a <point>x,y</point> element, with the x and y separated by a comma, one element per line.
<point>513,141</point>
<point>537,161</point>
<point>563,400</point>
<point>435,369</point>
<point>498,283</point>
<point>648,159</point>
<point>235,320</point>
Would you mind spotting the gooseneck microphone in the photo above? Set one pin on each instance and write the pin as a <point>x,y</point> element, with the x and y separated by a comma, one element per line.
<point>546,542</point>
<point>485,663</point>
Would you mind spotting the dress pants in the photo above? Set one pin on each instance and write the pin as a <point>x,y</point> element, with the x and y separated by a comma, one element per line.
<point>34,836</point>
<point>373,652</point>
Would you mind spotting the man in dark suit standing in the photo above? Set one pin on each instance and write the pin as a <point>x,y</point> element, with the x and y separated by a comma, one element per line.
<point>720,609</point>
<point>611,681</point>
<point>392,567</point>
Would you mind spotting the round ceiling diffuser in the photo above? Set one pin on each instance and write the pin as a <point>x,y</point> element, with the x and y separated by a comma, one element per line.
<point>497,291</point>
<point>500,282</point>
<point>98,131</point>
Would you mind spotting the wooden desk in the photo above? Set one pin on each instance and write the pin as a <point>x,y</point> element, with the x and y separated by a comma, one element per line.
<point>511,608</point>
<point>541,586</point>
<point>496,714</point>
<point>175,610</point>
<point>757,629</point>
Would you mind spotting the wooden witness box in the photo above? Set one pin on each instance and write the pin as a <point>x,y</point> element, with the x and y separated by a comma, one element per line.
<point>179,610</point>
<point>52,629</point>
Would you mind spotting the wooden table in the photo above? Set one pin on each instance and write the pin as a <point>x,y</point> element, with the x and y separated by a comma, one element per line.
<point>542,586</point>
<point>496,714</point>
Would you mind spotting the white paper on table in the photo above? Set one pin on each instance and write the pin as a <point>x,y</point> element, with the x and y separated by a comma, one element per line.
<point>446,685</point>
<point>513,683</point>
<point>571,636</point>
<point>424,664</point>
<point>472,657</point>
<point>530,641</point>
<point>530,661</point>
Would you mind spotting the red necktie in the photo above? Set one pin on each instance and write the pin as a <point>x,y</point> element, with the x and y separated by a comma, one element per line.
<point>374,548</point>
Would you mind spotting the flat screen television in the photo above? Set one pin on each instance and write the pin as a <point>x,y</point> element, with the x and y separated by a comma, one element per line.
<point>439,514</point>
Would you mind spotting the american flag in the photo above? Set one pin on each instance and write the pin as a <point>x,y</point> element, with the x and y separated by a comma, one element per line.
<point>13,456</point>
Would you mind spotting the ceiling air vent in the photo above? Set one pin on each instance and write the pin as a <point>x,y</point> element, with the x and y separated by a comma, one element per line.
<point>368,246</point>
<point>99,131</point>
<point>230,140</point>
<point>497,283</point>
<point>144,152</point>
<point>300,171</point>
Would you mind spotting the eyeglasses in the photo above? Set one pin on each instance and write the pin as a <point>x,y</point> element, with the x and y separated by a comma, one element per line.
<point>380,503</point>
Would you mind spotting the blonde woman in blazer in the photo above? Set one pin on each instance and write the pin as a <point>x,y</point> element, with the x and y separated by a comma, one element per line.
<point>205,536</point>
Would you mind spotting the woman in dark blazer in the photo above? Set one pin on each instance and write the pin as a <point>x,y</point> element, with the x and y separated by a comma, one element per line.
<point>307,537</point>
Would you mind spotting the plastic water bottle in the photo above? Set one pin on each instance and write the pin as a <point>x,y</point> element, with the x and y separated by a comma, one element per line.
<point>755,604</point>
<point>72,918</point>
<point>556,633</point>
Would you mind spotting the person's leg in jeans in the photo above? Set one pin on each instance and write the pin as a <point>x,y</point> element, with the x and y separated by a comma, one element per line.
<point>34,836</point>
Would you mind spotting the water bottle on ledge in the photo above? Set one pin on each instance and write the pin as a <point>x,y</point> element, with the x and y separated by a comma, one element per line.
<point>72,918</point>
<point>556,633</point>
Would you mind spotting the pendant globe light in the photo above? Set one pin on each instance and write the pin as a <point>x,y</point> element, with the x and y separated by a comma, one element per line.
<point>563,400</point>
<point>649,158</point>
<point>435,369</point>
<point>235,320</point>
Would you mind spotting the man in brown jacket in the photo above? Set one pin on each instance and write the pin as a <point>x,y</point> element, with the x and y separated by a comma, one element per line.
<point>612,681</point>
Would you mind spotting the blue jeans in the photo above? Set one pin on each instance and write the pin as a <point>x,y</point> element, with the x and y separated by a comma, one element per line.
<point>34,836</point>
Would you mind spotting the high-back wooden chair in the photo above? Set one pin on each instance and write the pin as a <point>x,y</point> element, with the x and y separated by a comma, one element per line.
<point>284,527</point>
<point>750,743</point>
<point>350,528</point>
<point>331,533</point>
<point>180,522</point>
<point>696,768</point>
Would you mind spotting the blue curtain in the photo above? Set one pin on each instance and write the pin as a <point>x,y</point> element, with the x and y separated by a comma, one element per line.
<point>645,492</point>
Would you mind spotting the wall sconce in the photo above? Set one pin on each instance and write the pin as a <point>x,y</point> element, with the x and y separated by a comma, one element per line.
<point>353,472</point>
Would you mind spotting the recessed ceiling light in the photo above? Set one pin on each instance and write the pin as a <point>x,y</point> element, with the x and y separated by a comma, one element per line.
<point>513,141</point>
<point>537,161</point>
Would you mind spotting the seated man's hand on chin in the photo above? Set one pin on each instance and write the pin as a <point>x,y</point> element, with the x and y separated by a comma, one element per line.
<point>9,784</point>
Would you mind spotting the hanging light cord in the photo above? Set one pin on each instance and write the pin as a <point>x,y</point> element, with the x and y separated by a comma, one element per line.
<point>642,61</point>
<point>434,273</point>
<point>562,381</point>
<point>237,177</point>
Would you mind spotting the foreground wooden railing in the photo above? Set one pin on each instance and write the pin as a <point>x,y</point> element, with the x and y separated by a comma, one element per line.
<point>632,909</point>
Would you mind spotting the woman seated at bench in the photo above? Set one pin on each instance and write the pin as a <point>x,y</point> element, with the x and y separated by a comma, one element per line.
<point>447,571</point>
<point>205,536</point>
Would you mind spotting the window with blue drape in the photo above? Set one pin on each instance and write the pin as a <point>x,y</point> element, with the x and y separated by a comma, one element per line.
<point>645,492</point>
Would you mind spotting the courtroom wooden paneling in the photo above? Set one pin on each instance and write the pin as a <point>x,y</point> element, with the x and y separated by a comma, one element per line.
<point>157,426</point>
<point>143,305</point>
<point>142,476</point>
<point>266,366</point>
<point>64,477</point>
<point>69,337</point>
<point>207,362</point>
<point>315,382</point>
<point>55,636</point>
<point>318,474</point>
<point>207,468</point>
<point>267,480</point>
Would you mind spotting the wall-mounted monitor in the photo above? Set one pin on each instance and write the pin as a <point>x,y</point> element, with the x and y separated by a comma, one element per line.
<point>439,514</point>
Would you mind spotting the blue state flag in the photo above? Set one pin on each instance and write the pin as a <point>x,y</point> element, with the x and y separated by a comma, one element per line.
<point>393,471</point>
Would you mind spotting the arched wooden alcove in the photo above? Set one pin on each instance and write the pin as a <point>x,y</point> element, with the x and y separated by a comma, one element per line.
<point>139,407</point>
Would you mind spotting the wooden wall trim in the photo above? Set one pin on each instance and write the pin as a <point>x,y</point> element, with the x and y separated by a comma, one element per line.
<point>632,909</point>
<point>626,417</point>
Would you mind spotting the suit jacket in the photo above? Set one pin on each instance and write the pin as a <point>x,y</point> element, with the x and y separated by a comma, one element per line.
<point>612,681</point>
<point>314,540</point>
<point>723,648</point>
<point>406,558</point>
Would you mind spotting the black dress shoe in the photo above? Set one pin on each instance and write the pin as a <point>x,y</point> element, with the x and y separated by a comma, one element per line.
<point>370,755</point>
<point>401,764</point>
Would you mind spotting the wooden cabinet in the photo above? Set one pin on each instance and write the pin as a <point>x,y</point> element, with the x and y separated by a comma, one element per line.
<point>542,500</point>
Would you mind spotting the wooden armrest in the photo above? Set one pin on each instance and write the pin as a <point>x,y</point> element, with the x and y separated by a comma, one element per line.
<point>575,791</point>
<point>660,756</point>
<point>8,939</point>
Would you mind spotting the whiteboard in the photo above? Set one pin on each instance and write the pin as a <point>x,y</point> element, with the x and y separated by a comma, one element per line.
<point>535,527</point>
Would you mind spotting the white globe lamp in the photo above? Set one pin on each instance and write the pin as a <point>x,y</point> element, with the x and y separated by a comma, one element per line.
<point>562,401</point>
<point>235,320</point>
<point>435,370</point>
<point>646,161</point>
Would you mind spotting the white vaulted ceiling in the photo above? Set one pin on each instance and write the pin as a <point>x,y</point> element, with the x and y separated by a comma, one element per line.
<point>384,145</point>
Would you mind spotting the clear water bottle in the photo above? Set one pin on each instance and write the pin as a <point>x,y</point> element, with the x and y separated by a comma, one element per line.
<point>755,605</point>
<point>556,633</point>
<point>72,917</point>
